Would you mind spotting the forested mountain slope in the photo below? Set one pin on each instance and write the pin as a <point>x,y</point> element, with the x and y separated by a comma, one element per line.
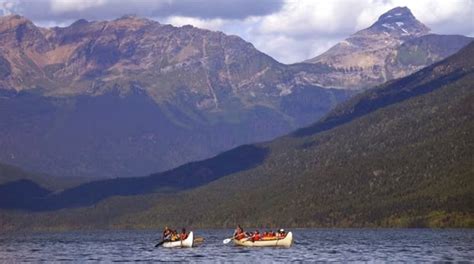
<point>398,155</point>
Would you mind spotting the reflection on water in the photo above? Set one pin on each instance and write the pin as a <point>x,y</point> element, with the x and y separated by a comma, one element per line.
<point>310,245</point>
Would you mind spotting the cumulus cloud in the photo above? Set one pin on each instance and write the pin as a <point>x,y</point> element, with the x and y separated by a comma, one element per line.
<point>8,7</point>
<point>307,28</point>
<point>288,30</point>
<point>303,18</point>
<point>211,24</point>
<point>448,17</point>
<point>61,6</point>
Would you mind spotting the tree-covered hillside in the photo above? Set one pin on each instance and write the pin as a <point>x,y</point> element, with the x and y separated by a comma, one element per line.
<point>399,155</point>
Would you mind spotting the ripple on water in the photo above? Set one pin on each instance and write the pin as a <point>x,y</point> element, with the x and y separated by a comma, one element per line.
<point>339,245</point>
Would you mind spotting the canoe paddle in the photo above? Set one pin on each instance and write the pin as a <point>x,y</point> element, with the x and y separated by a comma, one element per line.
<point>198,239</point>
<point>159,244</point>
<point>227,240</point>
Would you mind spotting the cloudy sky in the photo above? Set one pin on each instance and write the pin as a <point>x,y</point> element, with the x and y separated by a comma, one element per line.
<point>288,30</point>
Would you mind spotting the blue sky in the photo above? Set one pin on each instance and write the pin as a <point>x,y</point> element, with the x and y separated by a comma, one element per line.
<point>288,30</point>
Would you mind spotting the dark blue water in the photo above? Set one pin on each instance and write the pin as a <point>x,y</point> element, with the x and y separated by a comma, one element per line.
<point>361,245</point>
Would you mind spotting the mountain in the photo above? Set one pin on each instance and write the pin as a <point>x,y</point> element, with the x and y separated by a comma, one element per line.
<point>187,176</point>
<point>398,155</point>
<point>131,96</point>
<point>11,174</point>
<point>18,186</point>
<point>131,53</point>
<point>396,45</point>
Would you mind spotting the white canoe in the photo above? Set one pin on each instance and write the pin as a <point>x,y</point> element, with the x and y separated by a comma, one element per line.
<point>188,242</point>
<point>284,242</point>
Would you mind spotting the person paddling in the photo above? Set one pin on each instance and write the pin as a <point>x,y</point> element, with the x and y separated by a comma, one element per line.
<point>166,236</point>
<point>183,234</point>
<point>239,233</point>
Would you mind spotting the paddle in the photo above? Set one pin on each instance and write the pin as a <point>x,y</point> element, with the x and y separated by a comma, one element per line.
<point>160,243</point>
<point>227,240</point>
<point>198,239</point>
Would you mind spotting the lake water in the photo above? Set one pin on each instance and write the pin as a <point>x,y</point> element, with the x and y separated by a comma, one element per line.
<point>361,245</point>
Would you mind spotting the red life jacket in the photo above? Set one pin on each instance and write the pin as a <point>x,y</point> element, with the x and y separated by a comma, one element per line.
<point>240,236</point>
<point>256,237</point>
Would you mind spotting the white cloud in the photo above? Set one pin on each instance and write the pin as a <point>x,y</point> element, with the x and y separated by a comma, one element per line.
<point>8,7</point>
<point>60,6</point>
<point>211,24</point>
<point>302,18</point>
<point>303,29</point>
<point>447,17</point>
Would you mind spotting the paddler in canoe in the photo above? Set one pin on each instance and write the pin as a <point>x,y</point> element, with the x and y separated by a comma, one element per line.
<point>239,233</point>
<point>255,239</point>
<point>173,235</point>
<point>171,238</point>
<point>166,236</point>
<point>183,235</point>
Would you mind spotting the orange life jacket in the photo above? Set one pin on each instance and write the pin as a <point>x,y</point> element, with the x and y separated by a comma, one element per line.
<point>240,236</point>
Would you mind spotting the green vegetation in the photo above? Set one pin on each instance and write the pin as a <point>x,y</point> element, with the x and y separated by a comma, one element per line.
<point>429,48</point>
<point>400,155</point>
<point>413,55</point>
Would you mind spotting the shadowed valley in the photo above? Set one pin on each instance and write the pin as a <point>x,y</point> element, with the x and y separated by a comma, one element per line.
<point>396,155</point>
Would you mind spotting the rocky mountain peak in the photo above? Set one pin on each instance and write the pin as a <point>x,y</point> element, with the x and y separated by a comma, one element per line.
<point>394,46</point>
<point>399,21</point>
<point>79,22</point>
<point>193,92</point>
<point>132,21</point>
<point>399,13</point>
<point>18,31</point>
<point>11,22</point>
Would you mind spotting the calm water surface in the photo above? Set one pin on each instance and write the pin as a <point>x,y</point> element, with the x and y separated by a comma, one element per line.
<point>361,245</point>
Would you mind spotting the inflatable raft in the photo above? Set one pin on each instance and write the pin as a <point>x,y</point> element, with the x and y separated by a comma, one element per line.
<point>280,242</point>
<point>187,243</point>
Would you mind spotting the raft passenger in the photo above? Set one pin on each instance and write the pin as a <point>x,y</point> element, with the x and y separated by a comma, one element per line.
<point>239,233</point>
<point>183,234</point>
<point>281,233</point>
<point>166,236</point>
<point>256,236</point>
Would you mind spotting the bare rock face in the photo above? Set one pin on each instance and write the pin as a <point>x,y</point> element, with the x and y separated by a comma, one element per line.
<point>380,53</point>
<point>94,57</point>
